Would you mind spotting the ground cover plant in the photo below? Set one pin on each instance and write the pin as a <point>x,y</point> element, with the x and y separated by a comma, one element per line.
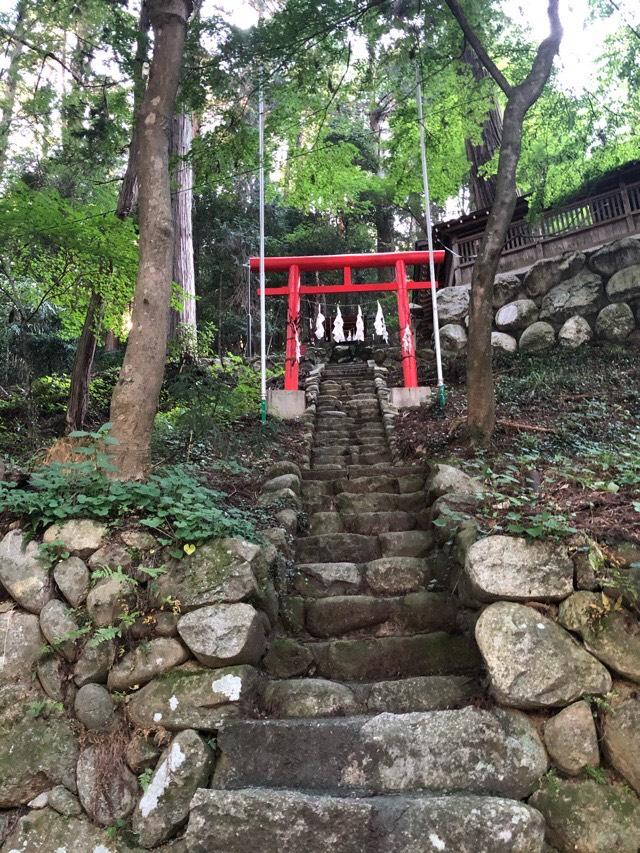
<point>566,453</point>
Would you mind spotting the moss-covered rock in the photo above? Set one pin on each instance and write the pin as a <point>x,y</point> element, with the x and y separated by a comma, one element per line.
<point>221,572</point>
<point>587,817</point>
<point>195,697</point>
<point>38,748</point>
<point>184,767</point>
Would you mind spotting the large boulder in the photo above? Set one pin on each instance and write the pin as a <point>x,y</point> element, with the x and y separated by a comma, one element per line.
<point>615,322</point>
<point>109,599</point>
<point>586,817</point>
<point>549,272</point>
<point>572,740</point>
<point>94,706</point>
<point>575,332</point>
<point>61,628</point>
<point>615,256</point>
<point>38,748</point>
<point>224,634</point>
<point>453,338</point>
<point>534,663</point>
<point>80,536</point>
<point>194,697</point>
<point>145,662</point>
<point>221,572</point>
<point>516,315</point>
<point>506,287</point>
<point>581,294</point>
<point>613,636</point>
<point>20,645</point>
<point>72,577</point>
<point>447,480</point>
<point>94,663</point>
<point>44,831</point>
<point>509,567</point>
<point>621,739</point>
<point>184,767</point>
<point>24,576</point>
<point>504,342</point>
<point>537,337</point>
<point>625,284</point>
<point>453,304</point>
<point>107,789</point>
<point>283,481</point>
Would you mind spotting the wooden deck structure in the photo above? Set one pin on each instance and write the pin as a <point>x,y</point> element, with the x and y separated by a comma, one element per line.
<point>608,210</point>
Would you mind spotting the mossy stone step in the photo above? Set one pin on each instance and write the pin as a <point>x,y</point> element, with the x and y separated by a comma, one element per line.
<point>285,821</point>
<point>420,612</point>
<point>377,658</point>
<point>386,576</point>
<point>468,750</point>
<point>336,548</point>
<point>293,698</point>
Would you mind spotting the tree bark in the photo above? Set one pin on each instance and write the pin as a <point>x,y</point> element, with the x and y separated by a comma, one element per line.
<point>82,366</point>
<point>483,189</point>
<point>135,397</point>
<point>11,88</point>
<point>129,189</point>
<point>181,205</point>
<point>481,415</point>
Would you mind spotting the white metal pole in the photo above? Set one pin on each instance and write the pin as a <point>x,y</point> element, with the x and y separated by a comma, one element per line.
<point>427,212</point>
<point>263,325</point>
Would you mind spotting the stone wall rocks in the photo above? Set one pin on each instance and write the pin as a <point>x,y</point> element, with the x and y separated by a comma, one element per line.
<point>615,322</point>
<point>512,568</point>
<point>534,663</point>
<point>537,337</point>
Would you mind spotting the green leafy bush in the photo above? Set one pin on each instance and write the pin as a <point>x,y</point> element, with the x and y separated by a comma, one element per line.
<point>171,502</point>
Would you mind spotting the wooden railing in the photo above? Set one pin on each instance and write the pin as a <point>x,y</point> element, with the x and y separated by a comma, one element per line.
<point>621,203</point>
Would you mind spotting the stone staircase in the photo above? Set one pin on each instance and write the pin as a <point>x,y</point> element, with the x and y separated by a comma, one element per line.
<point>372,740</point>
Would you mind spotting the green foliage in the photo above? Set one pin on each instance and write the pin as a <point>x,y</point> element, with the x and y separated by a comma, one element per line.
<point>144,779</point>
<point>44,708</point>
<point>172,503</point>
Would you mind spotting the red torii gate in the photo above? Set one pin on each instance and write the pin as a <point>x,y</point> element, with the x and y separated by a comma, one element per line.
<point>319,263</point>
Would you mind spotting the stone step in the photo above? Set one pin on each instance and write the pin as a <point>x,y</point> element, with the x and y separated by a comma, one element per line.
<point>378,658</point>
<point>287,821</point>
<point>337,548</point>
<point>387,576</point>
<point>370,523</point>
<point>419,612</point>
<point>354,457</point>
<point>409,543</point>
<point>379,501</point>
<point>350,446</point>
<point>354,472</point>
<point>350,441</point>
<point>316,697</point>
<point>468,750</point>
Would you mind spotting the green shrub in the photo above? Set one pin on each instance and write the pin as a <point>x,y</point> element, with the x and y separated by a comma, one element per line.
<point>171,502</point>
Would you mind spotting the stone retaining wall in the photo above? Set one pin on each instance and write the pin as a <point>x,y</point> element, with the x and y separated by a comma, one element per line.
<point>567,300</point>
<point>560,640</point>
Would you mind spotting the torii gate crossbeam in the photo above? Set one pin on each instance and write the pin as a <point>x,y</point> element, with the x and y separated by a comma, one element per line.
<point>400,284</point>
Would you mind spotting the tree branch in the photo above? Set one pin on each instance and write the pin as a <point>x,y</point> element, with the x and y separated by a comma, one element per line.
<point>469,33</point>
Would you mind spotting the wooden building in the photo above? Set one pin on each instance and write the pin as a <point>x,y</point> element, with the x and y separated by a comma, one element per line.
<point>606,210</point>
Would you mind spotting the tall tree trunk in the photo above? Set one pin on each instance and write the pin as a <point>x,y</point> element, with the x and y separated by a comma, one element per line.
<point>182,206</point>
<point>483,189</point>
<point>82,366</point>
<point>135,397</point>
<point>129,189</point>
<point>10,85</point>
<point>480,386</point>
